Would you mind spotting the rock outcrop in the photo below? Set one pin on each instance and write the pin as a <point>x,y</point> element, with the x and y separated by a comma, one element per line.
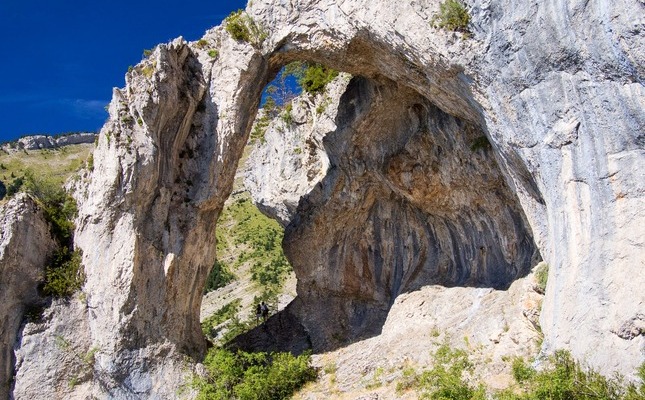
<point>556,89</point>
<point>291,159</point>
<point>25,246</point>
<point>38,142</point>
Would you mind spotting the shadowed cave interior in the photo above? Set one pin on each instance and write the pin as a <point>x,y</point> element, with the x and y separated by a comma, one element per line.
<point>413,197</point>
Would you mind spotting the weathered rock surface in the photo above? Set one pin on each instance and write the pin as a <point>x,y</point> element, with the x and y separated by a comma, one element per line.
<point>557,88</point>
<point>405,203</point>
<point>37,142</point>
<point>489,324</point>
<point>54,357</point>
<point>292,160</point>
<point>25,246</point>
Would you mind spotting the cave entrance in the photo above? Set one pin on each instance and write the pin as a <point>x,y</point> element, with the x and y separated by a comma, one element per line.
<point>381,192</point>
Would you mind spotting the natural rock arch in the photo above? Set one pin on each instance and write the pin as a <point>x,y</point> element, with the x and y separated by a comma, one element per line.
<point>167,156</point>
<point>173,142</point>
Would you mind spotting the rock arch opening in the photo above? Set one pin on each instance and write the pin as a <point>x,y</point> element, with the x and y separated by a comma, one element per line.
<point>409,196</point>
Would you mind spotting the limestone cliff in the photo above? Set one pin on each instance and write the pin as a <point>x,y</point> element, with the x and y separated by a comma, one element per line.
<point>25,246</point>
<point>556,88</point>
<point>290,159</point>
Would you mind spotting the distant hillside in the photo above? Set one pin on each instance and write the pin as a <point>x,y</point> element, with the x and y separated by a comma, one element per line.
<point>56,164</point>
<point>37,142</point>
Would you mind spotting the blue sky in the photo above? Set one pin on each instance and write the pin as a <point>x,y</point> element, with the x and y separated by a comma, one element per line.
<point>60,59</point>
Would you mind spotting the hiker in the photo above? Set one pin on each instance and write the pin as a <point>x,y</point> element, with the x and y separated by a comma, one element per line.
<point>265,311</point>
<point>258,313</point>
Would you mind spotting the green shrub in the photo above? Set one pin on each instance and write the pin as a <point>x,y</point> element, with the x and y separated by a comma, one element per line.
<point>3,190</point>
<point>243,28</point>
<point>563,378</point>
<point>452,16</point>
<point>219,276</point>
<point>147,52</point>
<point>213,53</point>
<point>287,116</point>
<point>59,207</point>
<point>201,43</point>
<point>262,123</point>
<point>64,275</point>
<point>253,376</point>
<point>227,312</point>
<point>448,378</point>
<point>521,371</point>
<point>316,77</point>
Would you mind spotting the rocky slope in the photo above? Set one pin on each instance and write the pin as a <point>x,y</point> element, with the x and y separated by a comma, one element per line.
<point>556,88</point>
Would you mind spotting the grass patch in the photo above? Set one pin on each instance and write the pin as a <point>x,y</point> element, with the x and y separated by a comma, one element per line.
<point>260,237</point>
<point>253,376</point>
<point>56,165</point>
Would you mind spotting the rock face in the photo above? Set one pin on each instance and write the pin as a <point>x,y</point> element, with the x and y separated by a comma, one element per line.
<point>291,159</point>
<point>25,246</point>
<point>405,203</point>
<point>37,142</point>
<point>556,88</point>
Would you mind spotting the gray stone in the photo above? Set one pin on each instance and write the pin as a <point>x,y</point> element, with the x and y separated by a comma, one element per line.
<point>25,246</point>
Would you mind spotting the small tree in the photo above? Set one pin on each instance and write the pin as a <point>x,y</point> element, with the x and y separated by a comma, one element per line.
<point>452,16</point>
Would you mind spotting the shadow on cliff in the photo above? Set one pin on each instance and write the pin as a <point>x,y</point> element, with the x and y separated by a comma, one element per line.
<point>409,200</point>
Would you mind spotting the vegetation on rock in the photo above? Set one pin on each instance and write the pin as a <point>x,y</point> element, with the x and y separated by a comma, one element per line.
<point>253,376</point>
<point>559,377</point>
<point>541,277</point>
<point>64,273</point>
<point>311,77</point>
<point>212,325</point>
<point>449,378</point>
<point>243,28</point>
<point>452,16</point>
<point>564,378</point>
<point>261,238</point>
<point>219,276</point>
<point>480,143</point>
